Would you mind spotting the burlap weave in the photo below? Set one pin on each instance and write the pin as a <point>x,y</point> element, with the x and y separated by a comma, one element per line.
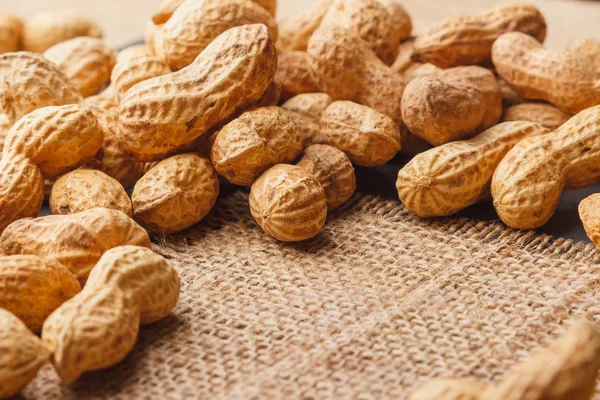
<point>372,307</point>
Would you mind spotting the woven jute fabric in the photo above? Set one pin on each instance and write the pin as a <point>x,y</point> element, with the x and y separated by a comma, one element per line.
<point>375,305</point>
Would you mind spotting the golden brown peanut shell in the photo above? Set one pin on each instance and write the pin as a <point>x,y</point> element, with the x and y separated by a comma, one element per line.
<point>85,189</point>
<point>573,85</point>
<point>160,115</point>
<point>468,40</point>
<point>588,48</point>
<point>11,28</point>
<point>86,61</point>
<point>32,287</point>
<point>97,328</point>
<point>97,231</point>
<point>5,126</point>
<point>401,19</point>
<point>133,70</point>
<point>333,170</point>
<point>369,138</point>
<point>528,183</point>
<point>308,108</point>
<point>255,142</point>
<point>175,194</point>
<point>48,28</point>
<point>22,354</point>
<point>195,24</point>
<point>296,30</point>
<point>542,113</point>
<point>565,370</point>
<point>294,75</point>
<point>107,100</point>
<point>168,7</point>
<point>448,389</point>
<point>452,177</point>
<point>589,212</point>
<point>29,82</point>
<point>288,203</point>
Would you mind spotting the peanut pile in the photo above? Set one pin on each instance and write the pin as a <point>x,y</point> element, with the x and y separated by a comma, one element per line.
<point>121,143</point>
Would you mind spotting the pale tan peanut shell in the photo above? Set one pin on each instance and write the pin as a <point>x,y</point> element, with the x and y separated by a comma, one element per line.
<point>22,354</point>
<point>468,40</point>
<point>150,34</point>
<point>296,30</point>
<point>254,142</point>
<point>48,28</point>
<point>168,7</point>
<point>133,70</point>
<point>195,24</point>
<point>509,96</point>
<point>589,212</point>
<point>448,389</point>
<point>369,138</point>
<point>441,112</point>
<point>107,100</point>
<point>573,85</point>
<point>405,66</point>
<point>541,113</point>
<point>452,177</point>
<point>111,159</point>
<point>10,33</point>
<point>371,21</point>
<point>56,139</point>
<point>294,75</point>
<point>400,18</point>
<point>588,48</point>
<point>333,170</point>
<point>32,287</point>
<point>21,190</point>
<point>96,230</point>
<point>85,189</point>
<point>29,82</point>
<point>136,50</point>
<point>97,328</point>
<point>288,203</point>
<point>528,183</point>
<point>160,115</point>
<point>565,370</point>
<point>86,61</point>
<point>5,126</point>
<point>175,194</point>
<point>308,108</point>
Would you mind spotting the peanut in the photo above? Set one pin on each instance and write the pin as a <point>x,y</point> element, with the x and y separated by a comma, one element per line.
<point>97,328</point>
<point>96,230</point>
<point>29,82</point>
<point>32,288</point>
<point>48,28</point>
<point>573,85</point>
<point>21,190</point>
<point>448,389</point>
<point>293,73</point>
<point>405,66</point>
<point>195,24</point>
<point>541,113</point>
<point>295,31</point>
<point>588,48</point>
<point>529,181</point>
<point>334,172</point>
<point>256,141</point>
<point>160,115</point>
<point>368,138</point>
<point>288,203</point>
<point>137,50</point>
<point>107,100</point>
<point>509,96</point>
<point>452,177</point>
<point>401,20</point>
<point>566,370</point>
<point>22,354</point>
<point>85,189</point>
<point>168,7</point>
<point>176,193</point>
<point>133,70</point>
<point>468,40</point>
<point>5,126</point>
<point>10,33</point>
<point>149,35</point>
<point>589,211</point>
<point>369,20</point>
<point>308,108</point>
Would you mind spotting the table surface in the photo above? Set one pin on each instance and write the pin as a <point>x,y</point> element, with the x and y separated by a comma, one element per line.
<point>123,23</point>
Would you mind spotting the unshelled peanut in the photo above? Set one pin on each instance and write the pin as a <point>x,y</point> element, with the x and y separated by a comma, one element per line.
<point>409,69</point>
<point>288,203</point>
<point>160,115</point>
<point>32,287</point>
<point>400,18</point>
<point>176,193</point>
<point>295,31</point>
<point>566,80</point>
<point>308,109</point>
<point>77,241</point>
<point>528,183</point>
<point>10,33</point>
<point>21,190</point>
<point>541,113</point>
<point>97,328</point>
<point>589,212</point>
<point>108,100</point>
<point>5,126</point>
<point>588,48</point>
<point>294,75</point>
<point>256,141</point>
<point>22,354</point>
<point>452,177</point>
<point>48,28</point>
<point>130,71</point>
<point>449,389</point>
<point>333,170</point>
<point>137,50</point>
<point>468,40</point>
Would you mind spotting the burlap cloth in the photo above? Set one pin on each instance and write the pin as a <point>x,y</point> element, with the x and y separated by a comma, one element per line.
<point>376,304</point>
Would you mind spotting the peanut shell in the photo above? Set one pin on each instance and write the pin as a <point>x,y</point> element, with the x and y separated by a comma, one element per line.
<point>5,126</point>
<point>107,100</point>
<point>448,389</point>
<point>541,113</point>
<point>588,48</point>
<point>137,50</point>
<point>307,109</point>
<point>589,212</point>
<point>133,70</point>
<point>401,19</point>
<point>10,33</point>
<point>296,30</point>
<point>294,75</point>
